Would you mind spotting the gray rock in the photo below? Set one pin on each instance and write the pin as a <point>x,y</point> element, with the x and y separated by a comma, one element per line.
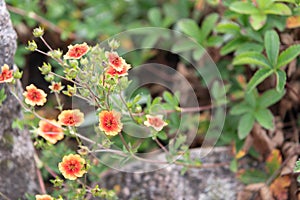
<point>17,167</point>
<point>209,183</point>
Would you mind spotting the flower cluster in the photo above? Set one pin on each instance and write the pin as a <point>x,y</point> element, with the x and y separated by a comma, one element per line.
<point>72,166</point>
<point>117,65</point>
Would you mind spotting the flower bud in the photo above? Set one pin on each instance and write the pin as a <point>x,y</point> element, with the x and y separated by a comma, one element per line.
<point>73,63</point>
<point>113,44</point>
<point>71,73</point>
<point>18,74</point>
<point>38,32</point>
<point>49,78</point>
<point>32,46</point>
<point>70,90</point>
<point>55,54</point>
<point>84,150</point>
<point>84,61</point>
<point>45,69</point>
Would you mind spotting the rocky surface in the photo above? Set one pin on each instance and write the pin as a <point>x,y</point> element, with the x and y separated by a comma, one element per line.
<point>17,167</point>
<point>213,182</point>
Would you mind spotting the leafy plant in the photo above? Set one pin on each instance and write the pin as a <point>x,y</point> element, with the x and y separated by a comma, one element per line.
<point>270,64</point>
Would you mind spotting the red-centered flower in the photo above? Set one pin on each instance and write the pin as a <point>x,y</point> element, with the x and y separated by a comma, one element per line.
<point>76,51</point>
<point>156,122</point>
<point>110,123</point>
<point>56,87</point>
<point>6,74</point>
<point>43,197</point>
<point>71,117</point>
<point>72,166</point>
<point>50,130</point>
<point>115,61</point>
<point>113,72</point>
<point>34,96</point>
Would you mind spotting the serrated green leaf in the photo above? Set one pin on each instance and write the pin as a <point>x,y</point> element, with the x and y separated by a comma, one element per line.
<point>214,41</point>
<point>243,8</point>
<point>269,98</point>
<point>259,76</point>
<point>189,27</point>
<point>280,80</point>
<point>251,57</point>
<point>228,27</point>
<point>245,125</point>
<point>272,46</point>
<point>208,24</point>
<point>288,55</point>
<point>265,118</point>
<point>278,9</point>
<point>257,21</point>
<point>240,108</point>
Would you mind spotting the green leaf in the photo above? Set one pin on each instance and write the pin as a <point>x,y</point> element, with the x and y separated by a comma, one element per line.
<point>257,21</point>
<point>278,9</point>
<point>288,55</point>
<point>272,46</point>
<point>189,27</point>
<point>249,46</point>
<point>253,176</point>
<point>251,57</point>
<point>264,3</point>
<point>240,108</point>
<point>154,17</point>
<point>269,98</point>
<point>231,46</point>
<point>245,125</point>
<point>228,27</point>
<point>251,98</point>
<point>243,8</point>
<point>280,80</point>
<point>214,40</point>
<point>265,118</point>
<point>259,76</point>
<point>208,24</point>
<point>2,96</point>
<point>169,98</point>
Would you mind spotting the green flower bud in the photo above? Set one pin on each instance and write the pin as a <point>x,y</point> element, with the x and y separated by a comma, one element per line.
<point>18,74</point>
<point>113,44</point>
<point>73,63</point>
<point>38,32</point>
<point>84,61</point>
<point>55,54</point>
<point>71,73</point>
<point>70,90</point>
<point>49,78</point>
<point>32,46</point>
<point>45,69</point>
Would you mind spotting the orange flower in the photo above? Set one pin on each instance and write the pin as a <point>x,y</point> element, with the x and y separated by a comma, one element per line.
<point>43,197</point>
<point>6,74</point>
<point>76,51</point>
<point>34,96</point>
<point>113,72</point>
<point>115,61</point>
<point>72,166</point>
<point>50,131</point>
<point>56,87</point>
<point>71,117</point>
<point>155,121</point>
<point>109,122</point>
